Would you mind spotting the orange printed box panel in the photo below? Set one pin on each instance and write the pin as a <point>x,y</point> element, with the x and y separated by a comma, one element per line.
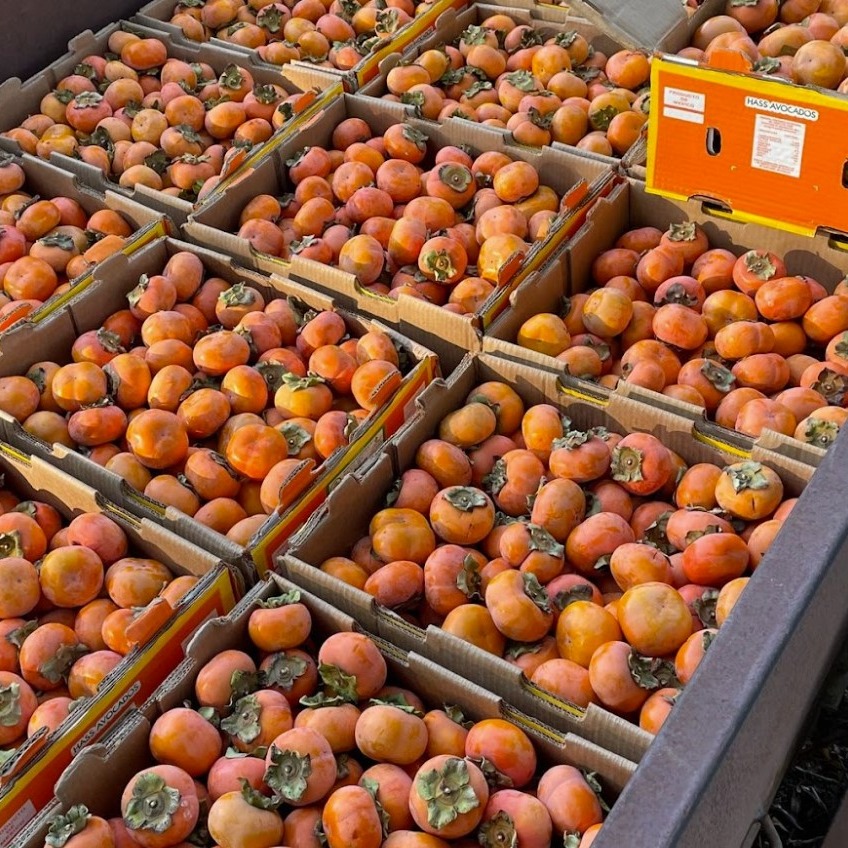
<point>765,148</point>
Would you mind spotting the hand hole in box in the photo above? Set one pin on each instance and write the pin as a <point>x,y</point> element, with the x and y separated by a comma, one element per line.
<point>845,174</point>
<point>713,141</point>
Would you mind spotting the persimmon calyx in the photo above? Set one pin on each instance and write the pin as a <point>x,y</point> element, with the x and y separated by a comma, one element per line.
<point>284,670</point>
<point>284,600</point>
<point>457,716</point>
<point>536,591</point>
<point>10,544</point>
<point>686,231</point>
<point>580,592</point>
<point>59,665</point>
<point>821,433</point>
<point>721,378</point>
<point>747,475</point>
<point>572,440</point>
<point>499,832</point>
<point>456,177</point>
<point>468,579</point>
<point>152,804</point>
<point>10,705</point>
<point>760,264</point>
<point>372,787</point>
<point>67,825</point>
<point>651,672</point>
<point>466,498</point>
<point>289,772</point>
<point>626,465</point>
<point>256,799</point>
<point>448,793</point>
<point>705,607</point>
<point>238,295</point>
<point>244,721</point>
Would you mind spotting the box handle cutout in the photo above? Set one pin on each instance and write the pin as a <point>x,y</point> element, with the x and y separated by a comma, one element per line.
<point>713,141</point>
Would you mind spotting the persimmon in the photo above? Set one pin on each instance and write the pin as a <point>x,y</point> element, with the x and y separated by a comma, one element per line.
<point>654,618</point>
<point>152,822</point>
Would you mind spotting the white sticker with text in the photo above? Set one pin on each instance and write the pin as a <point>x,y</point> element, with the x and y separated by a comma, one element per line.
<point>778,145</point>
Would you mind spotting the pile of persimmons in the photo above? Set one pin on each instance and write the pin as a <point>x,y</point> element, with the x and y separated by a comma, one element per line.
<point>150,119</point>
<point>404,219</point>
<point>205,397</point>
<point>44,244</point>
<point>335,34</point>
<point>301,741</point>
<point>600,565</point>
<point>544,89</point>
<point>69,593</point>
<point>753,345</point>
<point>799,40</point>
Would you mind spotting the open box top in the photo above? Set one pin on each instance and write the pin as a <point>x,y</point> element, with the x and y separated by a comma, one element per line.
<point>19,99</point>
<point>99,774</point>
<point>629,206</point>
<point>577,178</point>
<point>763,148</point>
<point>345,518</point>
<point>87,310</point>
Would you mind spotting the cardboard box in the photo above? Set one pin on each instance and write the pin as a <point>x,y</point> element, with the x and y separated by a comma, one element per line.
<point>158,14</point>
<point>630,205</point>
<point>52,337</point>
<point>47,181</point>
<point>715,766</point>
<point>345,517</point>
<point>762,147</point>
<point>27,779</point>
<point>449,335</point>
<point>450,26</point>
<point>19,99</point>
<point>126,751</point>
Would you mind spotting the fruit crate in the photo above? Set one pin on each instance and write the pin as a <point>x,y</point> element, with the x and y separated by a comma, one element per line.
<point>28,777</point>
<point>359,497</point>
<point>787,636</point>
<point>450,336</point>
<point>47,181</point>
<point>158,14</point>
<point>126,751</point>
<point>305,489</point>
<point>630,206</point>
<point>18,100</point>
<point>451,25</point>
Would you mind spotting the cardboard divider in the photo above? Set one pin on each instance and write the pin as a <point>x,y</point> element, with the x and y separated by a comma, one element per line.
<point>450,26</point>
<point>761,146</point>
<point>52,338</point>
<point>157,14</point>
<point>47,181</point>
<point>345,518</point>
<point>19,99</point>
<point>449,335</point>
<point>629,205</point>
<point>26,780</point>
<point>125,751</point>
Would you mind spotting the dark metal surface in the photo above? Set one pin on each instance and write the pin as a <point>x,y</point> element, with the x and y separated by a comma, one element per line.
<point>34,33</point>
<point>717,762</point>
